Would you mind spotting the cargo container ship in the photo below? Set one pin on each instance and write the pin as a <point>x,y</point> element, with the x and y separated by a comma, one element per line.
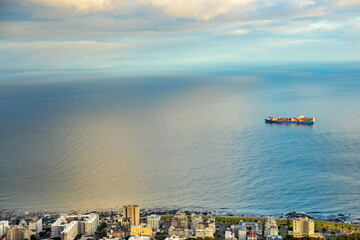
<point>296,120</point>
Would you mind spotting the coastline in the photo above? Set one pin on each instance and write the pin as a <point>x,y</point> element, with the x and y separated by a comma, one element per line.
<point>169,211</point>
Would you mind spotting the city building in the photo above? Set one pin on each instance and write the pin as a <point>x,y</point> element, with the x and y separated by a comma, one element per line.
<point>153,221</point>
<point>118,233</point>
<point>303,227</point>
<point>69,226</point>
<point>71,231</point>
<point>105,238</point>
<point>35,225</point>
<point>207,232</point>
<point>270,227</point>
<point>18,233</point>
<point>274,237</point>
<point>174,238</point>
<point>23,223</point>
<point>201,228</point>
<point>120,229</point>
<point>179,225</point>
<point>229,235</point>
<point>195,219</point>
<point>205,229</point>
<point>139,238</point>
<point>243,229</point>
<point>124,223</point>
<point>180,220</point>
<point>138,230</point>
<point>240,232</point>
<point>4,225</point>
<point>252,236</point>
<point>180,232</point>
<point>132,212</point>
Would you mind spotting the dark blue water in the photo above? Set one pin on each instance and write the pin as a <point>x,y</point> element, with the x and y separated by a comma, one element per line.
<point>94,142</point>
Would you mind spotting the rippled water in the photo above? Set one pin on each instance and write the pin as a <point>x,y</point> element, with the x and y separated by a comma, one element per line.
<point>182,141</point>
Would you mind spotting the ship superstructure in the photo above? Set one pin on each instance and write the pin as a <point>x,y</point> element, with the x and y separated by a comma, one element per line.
<point>300,120</point>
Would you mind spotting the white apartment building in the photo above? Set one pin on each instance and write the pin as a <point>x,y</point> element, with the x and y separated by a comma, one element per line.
<point>35,225</point>
<point>270,227</point>
<point>153,221</point>
<point>69,226</point>
<point>3,226</point>
<point>195,219</point>
<point>207,232</point>
<point>71,231</point>
<point>139,238</point>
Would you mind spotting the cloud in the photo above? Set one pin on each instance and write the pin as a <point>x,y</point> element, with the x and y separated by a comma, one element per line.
<point>199,10</point>
<point>304,3</point>
<point>93,32</point>
<point>240,32</point>
<point>348,2</point>
<point>81,5</point>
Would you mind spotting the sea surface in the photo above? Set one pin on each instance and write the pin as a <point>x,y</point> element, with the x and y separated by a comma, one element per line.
<point>93,140</point>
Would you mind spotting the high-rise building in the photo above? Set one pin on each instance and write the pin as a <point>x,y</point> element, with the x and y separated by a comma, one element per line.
<point>132,212</point>
<point>270,227</point>
<point>244,228</point>
<point>205,229</point>
<point>179,225</point>
<point>69,226</point>
<point>195,219</point>
<point>71,231</point>
<point>35,225</point>
<point>18,233</point>
<point>153,221</point>
<point>137,230</point>
<point>303,227</point>
<point>180,220</point>
<point>3,226</point>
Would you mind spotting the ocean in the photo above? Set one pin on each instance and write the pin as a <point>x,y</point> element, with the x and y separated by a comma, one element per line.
<point>92,140</point>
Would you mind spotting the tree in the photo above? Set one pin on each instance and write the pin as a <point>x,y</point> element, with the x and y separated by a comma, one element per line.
<point>34,237</point>
<point>219,234</point>
<point>100,234</point>
<point>101,226</point>
<point>161,235</point>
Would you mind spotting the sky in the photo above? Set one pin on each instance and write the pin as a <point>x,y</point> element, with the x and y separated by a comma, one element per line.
<point>150,35</point>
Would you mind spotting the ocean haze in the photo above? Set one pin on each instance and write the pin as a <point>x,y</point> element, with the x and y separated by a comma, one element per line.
<point>98,141</point>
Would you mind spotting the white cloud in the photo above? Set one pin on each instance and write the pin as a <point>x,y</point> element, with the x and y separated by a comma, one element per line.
<point>199,9</point>
<point>347,2</point>
<point>326,25</point>
<point>304,3</point>
<point>240,32</point>
<point>80,5</point>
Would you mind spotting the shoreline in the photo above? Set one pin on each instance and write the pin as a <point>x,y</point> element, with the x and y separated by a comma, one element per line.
<point>164,211</point>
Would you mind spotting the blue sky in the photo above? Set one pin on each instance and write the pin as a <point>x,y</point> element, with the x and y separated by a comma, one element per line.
<point>148,35</point>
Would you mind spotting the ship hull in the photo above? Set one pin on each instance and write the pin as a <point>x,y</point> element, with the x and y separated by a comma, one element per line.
<point>295,122</point>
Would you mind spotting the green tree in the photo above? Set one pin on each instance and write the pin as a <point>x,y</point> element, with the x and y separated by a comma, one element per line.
<point>100,234</point>
<point>161,235</point>
<point>101,226</point>
<point>34,237</point>
<point>219,234</point>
